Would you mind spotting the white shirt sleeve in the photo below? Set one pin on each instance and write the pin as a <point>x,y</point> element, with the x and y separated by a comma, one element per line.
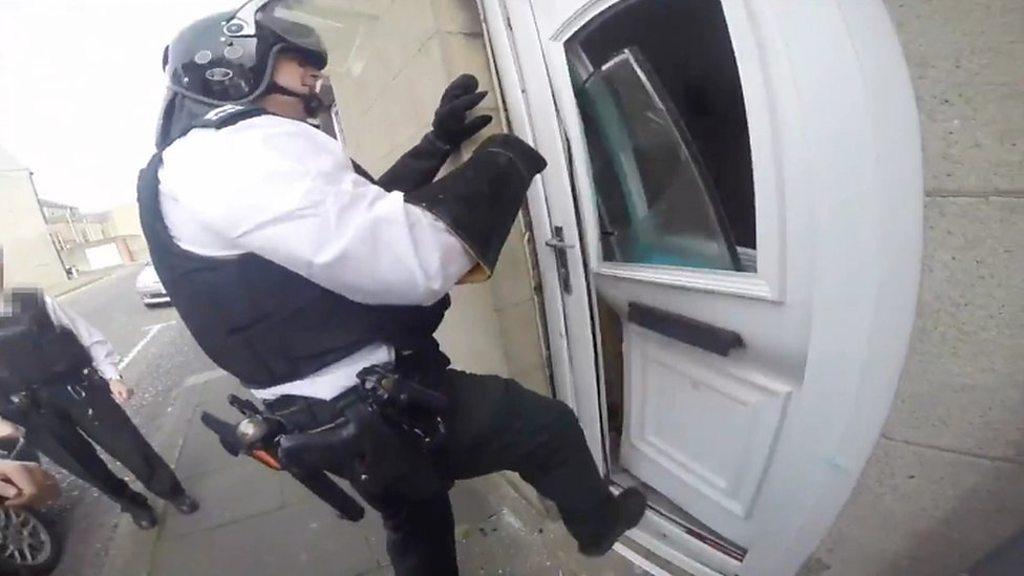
<point>285,191</point>
<point>104,358</point>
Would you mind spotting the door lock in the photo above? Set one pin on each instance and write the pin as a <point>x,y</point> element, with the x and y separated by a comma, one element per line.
<point>558,244</point>
<point>561,247</point>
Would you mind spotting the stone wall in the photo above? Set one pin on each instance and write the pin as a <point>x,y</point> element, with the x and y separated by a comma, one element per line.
<point>946,482</point>
<point>390,60</point>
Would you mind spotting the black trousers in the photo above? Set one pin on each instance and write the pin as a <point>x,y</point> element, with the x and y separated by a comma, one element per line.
<point>66,421</point>
<point>494,424</point>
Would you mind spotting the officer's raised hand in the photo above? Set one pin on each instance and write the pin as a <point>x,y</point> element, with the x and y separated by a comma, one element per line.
<point>452,126</point>
<point>121,391</point>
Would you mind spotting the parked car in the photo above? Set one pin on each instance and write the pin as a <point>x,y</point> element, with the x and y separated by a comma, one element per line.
<point>28,544</point>
<point>150,288</point>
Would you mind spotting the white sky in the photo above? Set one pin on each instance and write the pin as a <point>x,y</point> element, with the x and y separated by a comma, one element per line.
<point>81,89</point>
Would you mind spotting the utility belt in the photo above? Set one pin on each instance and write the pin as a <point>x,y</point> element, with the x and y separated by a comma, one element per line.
<point>407,405</point>
<point>384,434</point>
<point>29,397</point>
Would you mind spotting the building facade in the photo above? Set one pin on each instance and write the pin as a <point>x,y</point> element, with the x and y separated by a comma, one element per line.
<point>68,226</point>
<point>95,241</point>
<point>30,257</point>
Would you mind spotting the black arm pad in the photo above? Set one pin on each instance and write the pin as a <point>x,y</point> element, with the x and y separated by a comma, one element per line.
<point>479,200</point>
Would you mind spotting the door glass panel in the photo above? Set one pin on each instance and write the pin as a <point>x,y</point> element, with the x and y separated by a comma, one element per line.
<point>666,136</point>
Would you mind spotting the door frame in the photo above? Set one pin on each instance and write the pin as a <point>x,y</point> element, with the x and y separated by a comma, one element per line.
<point>858,341</point>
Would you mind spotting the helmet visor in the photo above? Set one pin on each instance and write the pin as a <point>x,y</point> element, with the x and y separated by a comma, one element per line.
<point>299,28</point>
<point>288,19</point>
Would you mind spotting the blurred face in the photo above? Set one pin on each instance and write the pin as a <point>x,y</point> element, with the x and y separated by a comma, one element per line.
<point>295,73</point>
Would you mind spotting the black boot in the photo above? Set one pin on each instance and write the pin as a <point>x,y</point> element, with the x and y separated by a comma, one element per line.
<point>626,511</point>
<point>184,503</point>
<point>141,512</point>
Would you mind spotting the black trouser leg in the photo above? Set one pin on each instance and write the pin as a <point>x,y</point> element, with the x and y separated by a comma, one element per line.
<point>325,488</point>
<point>100,418</point>
<point>63,443</point>
<point>103,420</point>
<point>497,424</point>
<point>420,534</point>
<point>494,424</point>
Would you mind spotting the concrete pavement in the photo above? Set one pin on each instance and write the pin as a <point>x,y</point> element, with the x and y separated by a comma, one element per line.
<point>85,279</point>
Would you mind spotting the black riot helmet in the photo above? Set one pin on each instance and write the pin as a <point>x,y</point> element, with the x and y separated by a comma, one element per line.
<point>228,58</point>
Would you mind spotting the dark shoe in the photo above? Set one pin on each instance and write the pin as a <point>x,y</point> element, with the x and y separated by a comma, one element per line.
<point>142,514</point>
<point>185,504</point>
<point>627,510</point>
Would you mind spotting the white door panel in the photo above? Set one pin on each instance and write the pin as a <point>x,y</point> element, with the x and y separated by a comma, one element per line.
<point>697,426</point>
<point>686,433</point>
<point>776,337</point>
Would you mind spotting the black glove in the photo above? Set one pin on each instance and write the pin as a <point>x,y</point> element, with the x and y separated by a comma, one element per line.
<point>450,125</point>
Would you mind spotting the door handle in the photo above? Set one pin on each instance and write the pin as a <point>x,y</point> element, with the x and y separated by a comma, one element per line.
<point>561,247</point>
<point>558,244</point>
<point>720,341</point>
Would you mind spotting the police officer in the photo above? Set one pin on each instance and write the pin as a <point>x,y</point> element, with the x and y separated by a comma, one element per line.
<point>60,382</point>
<point>296,270</point>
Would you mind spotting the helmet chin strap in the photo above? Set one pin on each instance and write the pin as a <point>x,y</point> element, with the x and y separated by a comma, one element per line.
<point>312,104</point>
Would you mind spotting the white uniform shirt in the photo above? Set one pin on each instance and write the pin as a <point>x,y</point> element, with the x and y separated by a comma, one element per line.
<point>104,358</point>
<point>283,190</point>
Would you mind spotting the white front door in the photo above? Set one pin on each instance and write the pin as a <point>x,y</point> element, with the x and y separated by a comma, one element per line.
<point>729,236</point>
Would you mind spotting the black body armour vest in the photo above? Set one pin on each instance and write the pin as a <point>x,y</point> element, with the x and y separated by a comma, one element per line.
<point>34,351</point>
<point>262,322</point>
